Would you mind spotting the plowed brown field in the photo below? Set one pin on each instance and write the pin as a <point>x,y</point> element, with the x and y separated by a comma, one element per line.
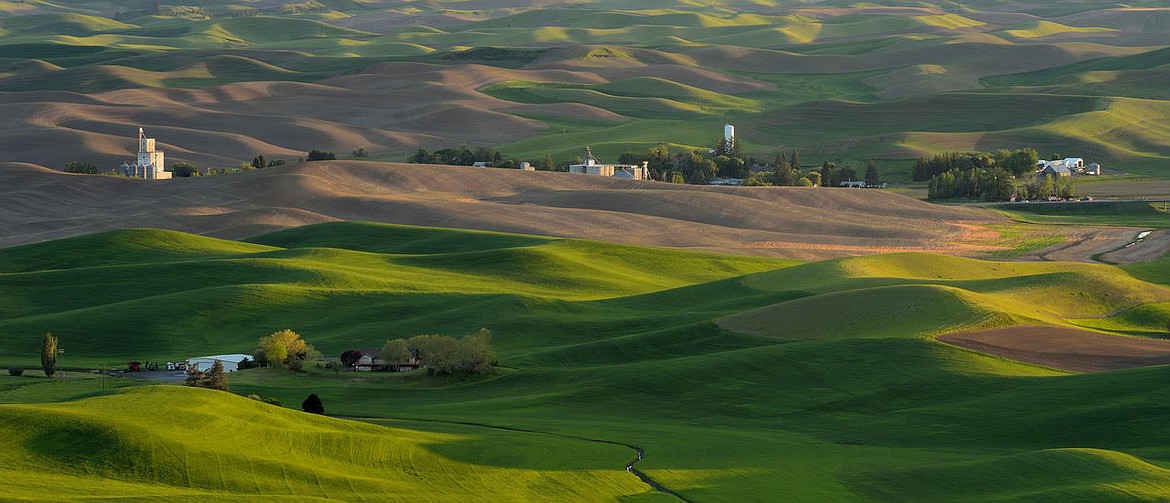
<point>808,223</point>
<point>1065,348</point>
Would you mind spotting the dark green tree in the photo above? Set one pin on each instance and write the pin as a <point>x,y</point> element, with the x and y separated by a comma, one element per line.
<point>997,185</point>
<point>49,354</point>
<point>313,405</point>
<point>259,162</point>
<point>794,162</point>
<point>548,164</point>
<point>826,174</point>
<point>421,156</point>
<point>846,173</point>
<point>782,173</point>
<point>184,169</point>
<point>631,158</point>
<point>696,168</point>
<point>350,357</point>
<point>317,155</point>
<point>871,173</point>
<point>1022,162</point>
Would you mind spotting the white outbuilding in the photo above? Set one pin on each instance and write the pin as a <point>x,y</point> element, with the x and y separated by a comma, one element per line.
<point>231,363</point>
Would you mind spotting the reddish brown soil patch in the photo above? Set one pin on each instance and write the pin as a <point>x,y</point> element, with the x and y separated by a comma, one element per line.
<point>1065,348</point>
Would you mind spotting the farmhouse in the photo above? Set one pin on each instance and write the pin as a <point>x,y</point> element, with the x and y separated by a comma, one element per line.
<point>149,164</point>
<point>372,360</point>
<point>231,363</point>
<point>591,166</point>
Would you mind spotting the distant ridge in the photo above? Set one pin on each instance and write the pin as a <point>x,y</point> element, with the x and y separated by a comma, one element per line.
<point>41,204</point>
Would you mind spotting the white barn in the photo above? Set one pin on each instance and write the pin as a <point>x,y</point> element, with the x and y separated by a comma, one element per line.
<point>231,363</point>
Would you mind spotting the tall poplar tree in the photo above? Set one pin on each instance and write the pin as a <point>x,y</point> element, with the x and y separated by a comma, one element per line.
<point>49,354</point>
<point>783,172</point>
<point>871,173</point>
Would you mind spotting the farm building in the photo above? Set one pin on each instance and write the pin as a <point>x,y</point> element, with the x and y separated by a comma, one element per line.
<point>231,363</point>
<point>591,166</point>
<point>1062,167</point>
<point>372,360</point>
<point>1093,169</point>
<point>149,164</point>
<point>1054,169</point>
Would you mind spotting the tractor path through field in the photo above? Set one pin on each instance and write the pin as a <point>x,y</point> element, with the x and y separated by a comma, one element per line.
<point>640,453</point>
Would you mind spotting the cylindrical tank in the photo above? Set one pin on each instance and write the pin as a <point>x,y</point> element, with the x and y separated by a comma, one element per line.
<point>728,132</point>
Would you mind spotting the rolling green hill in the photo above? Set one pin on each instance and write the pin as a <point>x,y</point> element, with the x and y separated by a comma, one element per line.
<point>152,443</point>
<point>841,393</point>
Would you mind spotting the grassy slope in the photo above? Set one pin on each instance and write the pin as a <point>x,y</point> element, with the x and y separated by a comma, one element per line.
<point>152,443</point>
<point>62,286</point>
<point>861,405</point>
<point>1133,214</point>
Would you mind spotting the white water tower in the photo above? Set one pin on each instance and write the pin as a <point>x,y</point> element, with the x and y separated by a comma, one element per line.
<point>728,133</point>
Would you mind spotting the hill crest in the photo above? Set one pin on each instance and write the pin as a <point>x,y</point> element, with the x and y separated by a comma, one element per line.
<point>801,223</point>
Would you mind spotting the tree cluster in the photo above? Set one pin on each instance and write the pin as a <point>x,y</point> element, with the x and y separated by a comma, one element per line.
<point>285,348</point>
<point>692,166</point>
<point>185,169</point>
<point>212,378</point>
<point>787,171</point>
<point>317,155</point>
<point>461,156</point>
<point>1016,163</point>
<point>82,167</point>
<point>998,185</point>
<point>986,184</point>
<point>444,355</point>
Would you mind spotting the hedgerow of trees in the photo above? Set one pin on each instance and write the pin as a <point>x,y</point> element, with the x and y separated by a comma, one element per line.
<point>1016,163</point>
<point>444,355</point>
<point>462,156</point>
<point>82,167</point>
<point>317,155</point>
